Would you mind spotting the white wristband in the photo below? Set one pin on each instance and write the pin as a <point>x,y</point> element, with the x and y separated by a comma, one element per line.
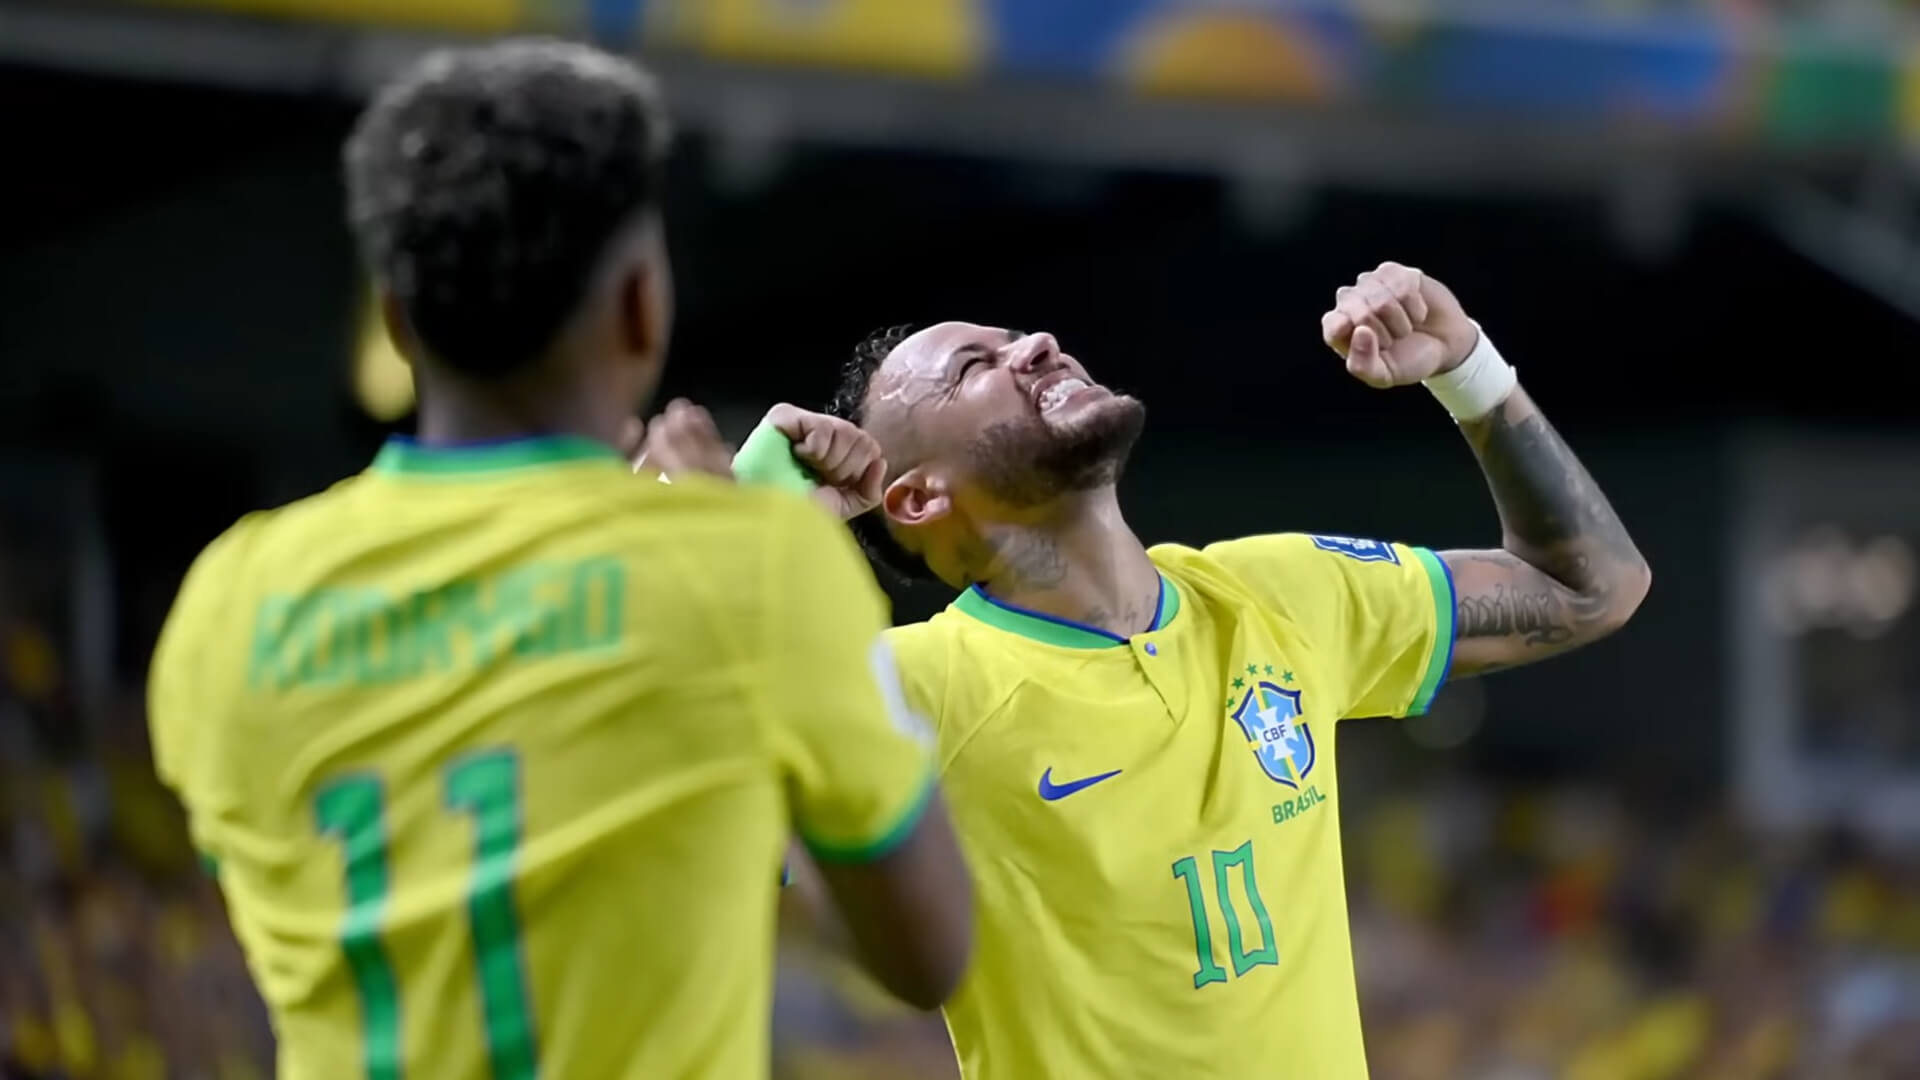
<point>1478,386</point>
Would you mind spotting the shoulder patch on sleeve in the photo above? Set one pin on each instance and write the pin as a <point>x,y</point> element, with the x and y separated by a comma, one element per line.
<point>887,675</point>
<point>1356,548</point>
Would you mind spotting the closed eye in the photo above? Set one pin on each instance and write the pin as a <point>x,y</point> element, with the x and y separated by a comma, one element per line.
<point>974,359</point>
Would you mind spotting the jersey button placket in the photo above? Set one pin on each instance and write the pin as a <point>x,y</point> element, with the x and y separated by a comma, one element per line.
<point>1161,674</point>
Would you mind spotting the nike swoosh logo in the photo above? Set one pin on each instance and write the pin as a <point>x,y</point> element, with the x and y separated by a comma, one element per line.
<point>1051,791</point>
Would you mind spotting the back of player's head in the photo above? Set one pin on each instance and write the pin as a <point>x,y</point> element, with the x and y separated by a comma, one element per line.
<point>486,185</point>
<point>849,402</point>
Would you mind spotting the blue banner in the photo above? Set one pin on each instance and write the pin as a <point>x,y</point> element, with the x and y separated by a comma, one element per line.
<point>1695,70</point>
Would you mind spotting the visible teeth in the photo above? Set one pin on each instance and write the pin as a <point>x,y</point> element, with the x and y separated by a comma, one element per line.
<point>1059,391</point>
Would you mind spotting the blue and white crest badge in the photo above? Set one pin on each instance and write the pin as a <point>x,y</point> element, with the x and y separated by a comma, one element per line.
<point>1354,547</point>
<point>1270,717</point>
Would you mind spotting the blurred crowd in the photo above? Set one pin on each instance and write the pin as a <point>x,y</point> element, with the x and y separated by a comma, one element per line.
<point>1561,934</point>
<point>115,958</point>
<point>1569,934</point>
<point>1553,935</point>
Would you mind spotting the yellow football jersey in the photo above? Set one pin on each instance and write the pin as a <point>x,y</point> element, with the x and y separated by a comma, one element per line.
<point>1152,822</point>
<point>498,750</point>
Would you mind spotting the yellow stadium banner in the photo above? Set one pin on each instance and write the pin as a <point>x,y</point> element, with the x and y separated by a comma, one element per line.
<point>1223,55</point>
<point>933,38</point>
<point>476,16</point>
<point>926,38</point>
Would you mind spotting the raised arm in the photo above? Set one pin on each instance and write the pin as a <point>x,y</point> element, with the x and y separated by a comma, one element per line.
<point>1566,573</point>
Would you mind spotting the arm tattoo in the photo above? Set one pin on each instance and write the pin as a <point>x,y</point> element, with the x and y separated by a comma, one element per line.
<point>1554,519</point>
<point>1552,512</point>
<point>1535,617</point>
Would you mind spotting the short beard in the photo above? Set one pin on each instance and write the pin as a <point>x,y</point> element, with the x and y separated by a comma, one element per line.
<point>1024,463</point>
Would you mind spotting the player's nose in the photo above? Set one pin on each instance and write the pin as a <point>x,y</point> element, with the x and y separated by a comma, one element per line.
<point>1033,351</point>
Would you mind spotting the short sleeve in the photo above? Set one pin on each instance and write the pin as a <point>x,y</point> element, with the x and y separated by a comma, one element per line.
<point>180,707</point>
<point>919,656</point>
<point>170,695</point>
<point>1382,613</point>
<point>857,759</point>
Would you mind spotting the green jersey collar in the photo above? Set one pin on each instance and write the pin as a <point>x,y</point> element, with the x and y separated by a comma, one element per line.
<point>1053,630</point>
<point>405,457</point>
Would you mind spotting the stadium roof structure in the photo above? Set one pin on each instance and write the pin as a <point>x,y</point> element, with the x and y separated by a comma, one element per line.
<point>1808,131</point>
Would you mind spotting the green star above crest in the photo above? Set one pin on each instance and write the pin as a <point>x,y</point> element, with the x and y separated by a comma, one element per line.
<point>1252,670</point>
<point>1239,683</point>
<point>1285,676</point>
<point>1269,669</point>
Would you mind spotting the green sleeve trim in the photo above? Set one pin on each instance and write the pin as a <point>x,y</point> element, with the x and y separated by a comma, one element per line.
<point>766,460</point>
<point>209,865</point>
<point>883,845</point>
<point>1440,656</point>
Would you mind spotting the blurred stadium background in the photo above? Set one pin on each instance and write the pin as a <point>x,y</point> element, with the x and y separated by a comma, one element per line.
<point>1692,852</point>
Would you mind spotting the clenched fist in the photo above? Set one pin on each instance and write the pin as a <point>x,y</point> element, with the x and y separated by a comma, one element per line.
<point>843,458</point>
<point>683,439</point>
<point>1397,326</point>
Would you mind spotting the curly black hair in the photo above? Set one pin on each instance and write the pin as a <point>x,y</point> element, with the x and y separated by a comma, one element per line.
<point>849,402</point>
<point>485,184</point>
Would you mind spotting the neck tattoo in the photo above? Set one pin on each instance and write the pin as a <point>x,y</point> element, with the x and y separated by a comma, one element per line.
<point>1029,559</point>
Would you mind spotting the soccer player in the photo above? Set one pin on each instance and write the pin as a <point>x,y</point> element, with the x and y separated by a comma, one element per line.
<point>498,751</point>
<point>1138,743</point>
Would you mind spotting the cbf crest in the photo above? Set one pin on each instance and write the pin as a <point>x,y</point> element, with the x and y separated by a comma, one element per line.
<point>1270,717</point>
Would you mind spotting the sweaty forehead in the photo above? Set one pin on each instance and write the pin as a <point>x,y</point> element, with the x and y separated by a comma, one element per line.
<point>918,373</point>
<point>923,365</point>
<point>930,349</point>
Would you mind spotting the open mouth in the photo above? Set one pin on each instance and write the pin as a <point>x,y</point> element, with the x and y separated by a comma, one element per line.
<point>1056,393</point>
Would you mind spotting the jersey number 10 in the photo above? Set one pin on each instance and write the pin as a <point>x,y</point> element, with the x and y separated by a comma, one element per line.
<point>1244,959</point>
<point>486,786</point>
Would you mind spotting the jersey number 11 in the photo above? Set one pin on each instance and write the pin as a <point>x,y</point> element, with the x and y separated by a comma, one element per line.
<point>486,786</point>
